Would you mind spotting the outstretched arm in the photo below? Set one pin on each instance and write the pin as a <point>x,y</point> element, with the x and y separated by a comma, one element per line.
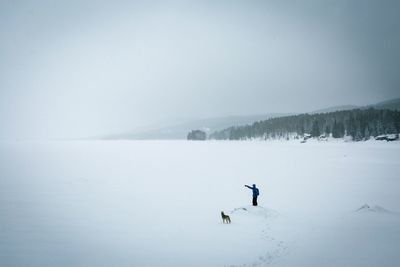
<point>248,186</point>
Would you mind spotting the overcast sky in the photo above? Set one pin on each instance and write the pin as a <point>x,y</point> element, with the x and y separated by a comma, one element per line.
<point>82,68</point>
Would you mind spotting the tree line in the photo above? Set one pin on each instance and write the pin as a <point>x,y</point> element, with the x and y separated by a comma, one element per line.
<point>360,124</point>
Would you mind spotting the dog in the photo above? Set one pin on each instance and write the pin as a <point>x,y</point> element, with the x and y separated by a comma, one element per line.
<point>225,218</point>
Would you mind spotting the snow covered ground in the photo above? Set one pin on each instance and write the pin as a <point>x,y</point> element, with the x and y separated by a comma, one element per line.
<point>158,203</point>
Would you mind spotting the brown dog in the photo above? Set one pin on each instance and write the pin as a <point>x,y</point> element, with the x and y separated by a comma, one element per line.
<point>225,218</point>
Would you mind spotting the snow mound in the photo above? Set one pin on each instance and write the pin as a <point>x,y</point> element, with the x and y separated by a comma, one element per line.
<point>377,209</point>
<point>256,211</point>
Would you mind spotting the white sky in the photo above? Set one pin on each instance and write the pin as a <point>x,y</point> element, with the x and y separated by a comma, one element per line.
<point>82,68</point>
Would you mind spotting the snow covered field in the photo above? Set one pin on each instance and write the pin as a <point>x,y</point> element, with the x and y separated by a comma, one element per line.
<point>158,203</point>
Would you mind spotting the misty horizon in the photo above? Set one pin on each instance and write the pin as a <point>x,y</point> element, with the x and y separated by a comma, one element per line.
<point>81,69</point>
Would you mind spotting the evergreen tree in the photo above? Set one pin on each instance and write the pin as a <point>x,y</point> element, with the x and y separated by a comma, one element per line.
<point>327,130</point>
<point>351,127</point>
<point>341,129</point>
<point>335,130</point>
<point>366,133</point>
<point>315,129</point>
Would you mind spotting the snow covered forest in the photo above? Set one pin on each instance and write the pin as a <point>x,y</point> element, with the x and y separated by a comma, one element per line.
<point>360,124</point>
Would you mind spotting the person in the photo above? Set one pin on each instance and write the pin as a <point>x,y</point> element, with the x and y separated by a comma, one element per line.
<point>256,192</point>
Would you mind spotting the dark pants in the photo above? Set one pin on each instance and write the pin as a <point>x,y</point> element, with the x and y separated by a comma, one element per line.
<point>255,201</point>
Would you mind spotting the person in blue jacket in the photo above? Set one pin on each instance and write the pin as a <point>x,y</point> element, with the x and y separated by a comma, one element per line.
<point>256,192</point>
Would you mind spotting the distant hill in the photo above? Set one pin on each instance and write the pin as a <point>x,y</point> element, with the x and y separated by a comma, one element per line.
<point>180,130</point>
<point>393,104</point>
<point>335,108</point>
